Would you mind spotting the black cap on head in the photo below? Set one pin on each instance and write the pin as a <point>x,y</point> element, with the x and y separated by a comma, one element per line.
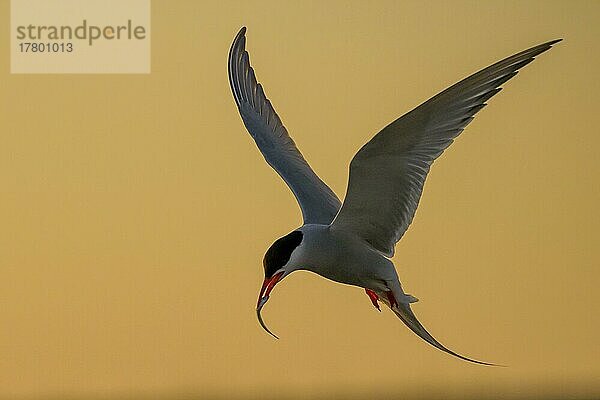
<point>280,252</point>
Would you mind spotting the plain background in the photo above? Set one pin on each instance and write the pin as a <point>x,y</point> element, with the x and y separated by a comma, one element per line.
<point>136,209</point>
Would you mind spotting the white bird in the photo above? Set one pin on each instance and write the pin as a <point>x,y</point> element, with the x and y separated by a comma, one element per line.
<point>352,243</point>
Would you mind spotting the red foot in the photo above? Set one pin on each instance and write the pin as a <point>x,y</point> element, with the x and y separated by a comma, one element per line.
<point>373,296</point>
<point>391,299</point>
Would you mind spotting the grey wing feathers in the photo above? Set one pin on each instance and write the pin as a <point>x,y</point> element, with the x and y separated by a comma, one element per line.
<point>388,173</point>
<point>317,201</point>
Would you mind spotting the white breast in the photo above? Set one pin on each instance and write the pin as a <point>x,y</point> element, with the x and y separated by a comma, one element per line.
<point>342,257</point>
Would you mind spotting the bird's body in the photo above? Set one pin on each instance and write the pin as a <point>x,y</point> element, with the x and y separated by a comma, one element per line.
<point>323,250</point>
<point>352,243</point>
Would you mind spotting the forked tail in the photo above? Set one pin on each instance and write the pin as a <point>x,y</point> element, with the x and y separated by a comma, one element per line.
<point>404,312</point>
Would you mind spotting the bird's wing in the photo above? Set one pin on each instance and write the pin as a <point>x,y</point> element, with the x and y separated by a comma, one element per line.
<point>317,201</point>
<point>388,173</point>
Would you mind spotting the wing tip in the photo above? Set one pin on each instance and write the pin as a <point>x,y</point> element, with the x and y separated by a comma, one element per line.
<point>241,35</point>
<point>550,43</point>
<point>241,32</point>
<point>547,46</point>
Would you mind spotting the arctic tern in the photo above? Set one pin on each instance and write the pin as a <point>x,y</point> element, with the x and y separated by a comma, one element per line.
<point>352,242</point>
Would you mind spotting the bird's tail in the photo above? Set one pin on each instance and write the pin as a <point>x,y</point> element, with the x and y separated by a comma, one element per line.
<point>404,312</point>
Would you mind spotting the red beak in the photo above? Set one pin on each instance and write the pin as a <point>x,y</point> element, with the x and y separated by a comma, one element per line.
<point>267,287</point>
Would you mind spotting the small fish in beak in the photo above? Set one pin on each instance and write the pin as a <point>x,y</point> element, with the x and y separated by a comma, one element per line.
<point>263,297</point>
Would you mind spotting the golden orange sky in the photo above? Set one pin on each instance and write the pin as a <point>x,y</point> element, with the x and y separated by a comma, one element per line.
<point>136,210</point>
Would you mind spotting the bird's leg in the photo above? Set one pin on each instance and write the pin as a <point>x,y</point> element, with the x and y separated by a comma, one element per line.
<point>373,296</point>
<point>391,298</point>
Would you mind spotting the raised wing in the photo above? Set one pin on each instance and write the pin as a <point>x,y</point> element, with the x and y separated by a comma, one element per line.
<point>317,201</point>
<point>388,173</point>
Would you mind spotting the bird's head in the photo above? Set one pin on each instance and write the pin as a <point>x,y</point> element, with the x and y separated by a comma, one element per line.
<point>277,266</point>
